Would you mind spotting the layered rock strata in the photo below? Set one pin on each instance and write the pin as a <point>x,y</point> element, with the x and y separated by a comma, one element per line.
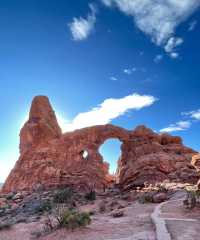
<point>52,159</point>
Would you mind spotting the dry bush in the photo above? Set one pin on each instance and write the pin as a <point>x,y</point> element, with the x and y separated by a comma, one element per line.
<point>63,196</point>
<point>72,219</point>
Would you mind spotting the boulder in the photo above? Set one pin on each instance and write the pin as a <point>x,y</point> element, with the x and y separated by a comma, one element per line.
<point>159,197</point>
<point>196,162</point>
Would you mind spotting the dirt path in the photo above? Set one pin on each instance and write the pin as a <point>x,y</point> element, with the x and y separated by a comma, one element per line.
<point>162,232</point>
<point>136,224</point>
<point>173,222</point>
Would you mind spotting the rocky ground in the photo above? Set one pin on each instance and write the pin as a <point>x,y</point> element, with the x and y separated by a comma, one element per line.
<point>145,214</point>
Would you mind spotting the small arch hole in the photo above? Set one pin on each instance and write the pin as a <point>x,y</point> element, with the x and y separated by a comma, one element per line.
<point>85,154</point>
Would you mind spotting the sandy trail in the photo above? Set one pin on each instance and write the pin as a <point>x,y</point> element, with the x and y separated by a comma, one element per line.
<point>136,224</point>
<point>162,232</point>
<point>172,222</point>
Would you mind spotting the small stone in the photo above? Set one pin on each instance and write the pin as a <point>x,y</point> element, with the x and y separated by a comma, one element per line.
<point>118,214</point>
<point>159,197</point>
<point>17,196</point>
<point>102,206</point>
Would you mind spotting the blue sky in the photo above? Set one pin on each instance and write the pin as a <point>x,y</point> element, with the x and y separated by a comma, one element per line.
<point>127,62</point>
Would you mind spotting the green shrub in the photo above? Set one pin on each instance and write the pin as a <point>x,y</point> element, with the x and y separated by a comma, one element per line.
<point>43,206</point>
<point>46,206</point>
<point>63,196</point>
<point>72,219</point>
<point>91,196</point>
<point>192,198</point>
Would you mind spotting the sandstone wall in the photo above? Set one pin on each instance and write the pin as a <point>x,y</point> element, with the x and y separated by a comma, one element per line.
<point>52,159</point>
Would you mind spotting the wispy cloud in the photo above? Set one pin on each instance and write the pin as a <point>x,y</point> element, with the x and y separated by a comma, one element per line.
<point>108,110</point>
<point>193,114</point>
<point>179,126</point>
<point>113,78</point>
<point>171,46</point>
<point>157,19</point>
<point>192,25</point>
<point>158,58</point>
<point>82,27</point>
<point>129,71</point>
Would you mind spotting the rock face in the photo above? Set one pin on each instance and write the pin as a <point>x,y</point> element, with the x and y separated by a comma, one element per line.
<point>51,159</point>
<point>42,125</point>
<point>196,164</point>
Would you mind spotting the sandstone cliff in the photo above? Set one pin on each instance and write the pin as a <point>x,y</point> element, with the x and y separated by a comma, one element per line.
<point>52,159</point>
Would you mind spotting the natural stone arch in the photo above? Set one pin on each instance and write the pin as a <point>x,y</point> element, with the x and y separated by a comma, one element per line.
<point>101,152</point>
<point>54,159</point>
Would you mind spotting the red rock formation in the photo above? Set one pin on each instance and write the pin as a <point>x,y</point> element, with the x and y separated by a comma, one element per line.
<point>196,164</point>
<point>42,125</point>
<point>149,157</point>
<point>54,159</point>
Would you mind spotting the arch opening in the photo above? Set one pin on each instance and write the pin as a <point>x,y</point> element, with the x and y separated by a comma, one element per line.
<point>84,154</point>
<point>110,150</point>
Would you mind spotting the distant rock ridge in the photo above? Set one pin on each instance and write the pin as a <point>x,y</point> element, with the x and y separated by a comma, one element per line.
<point>52,159</point>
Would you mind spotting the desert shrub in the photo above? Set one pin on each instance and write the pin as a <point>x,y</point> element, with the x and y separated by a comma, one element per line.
<point>145,198</point>
<point>46,206</point>
<point>63,195</point>
<point>91,196</point>
<point>192,198</point>
<point>43,206</point>
<point>72,219</point>
<point>48,227</point>
<point>48,224</point>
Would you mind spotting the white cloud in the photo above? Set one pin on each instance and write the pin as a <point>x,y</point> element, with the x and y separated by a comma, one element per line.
<point>172,45</point>
<point>113,78</point>
<point>192,25</point>
<point>179,126</point>
<point>174,55</point>
<point>108,3</point>
<point>158,19</point>
<point>158,58</point>
<point>196,114</point>
<point>129,71</point>
<point>193,114</point>
<point>82,27</point>
<point>108,110</point>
